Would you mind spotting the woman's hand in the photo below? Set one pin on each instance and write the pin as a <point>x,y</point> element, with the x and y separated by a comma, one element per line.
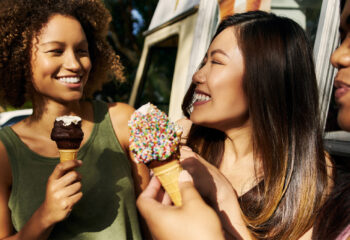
<point>193,220</point>
<point>63,191</point>
<point>217,189</point>
<point>209,181</point>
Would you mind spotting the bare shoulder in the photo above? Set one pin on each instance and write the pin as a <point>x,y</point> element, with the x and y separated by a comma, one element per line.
<point>5,191</point>
<point>120,114</point>
<point>307,235</point>
<point>5,168</point>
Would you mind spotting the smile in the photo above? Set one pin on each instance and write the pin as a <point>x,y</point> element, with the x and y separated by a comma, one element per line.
<point>199,98</point>
<point>69,79</point>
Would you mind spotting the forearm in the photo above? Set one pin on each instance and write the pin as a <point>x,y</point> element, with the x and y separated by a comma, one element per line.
<point>37,228</point>
<point>231,218</point>
<point>233,223</point>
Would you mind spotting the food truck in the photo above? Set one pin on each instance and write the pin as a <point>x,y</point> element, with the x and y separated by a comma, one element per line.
<point>180,32</point>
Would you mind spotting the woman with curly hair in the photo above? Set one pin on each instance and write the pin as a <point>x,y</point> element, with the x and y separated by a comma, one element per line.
<point>54,53</point>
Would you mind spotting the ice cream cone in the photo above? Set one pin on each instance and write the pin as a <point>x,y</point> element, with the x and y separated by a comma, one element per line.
<point>168,175</point>
<point>68,154</point>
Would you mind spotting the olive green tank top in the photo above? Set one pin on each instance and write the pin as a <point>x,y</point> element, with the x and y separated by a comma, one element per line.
<point>107,209</point>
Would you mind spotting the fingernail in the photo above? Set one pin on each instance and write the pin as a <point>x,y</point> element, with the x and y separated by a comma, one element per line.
<point>185,177</point>
<point>80,162</point>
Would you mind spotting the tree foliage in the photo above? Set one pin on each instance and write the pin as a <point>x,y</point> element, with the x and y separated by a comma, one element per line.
<point>126,37</point>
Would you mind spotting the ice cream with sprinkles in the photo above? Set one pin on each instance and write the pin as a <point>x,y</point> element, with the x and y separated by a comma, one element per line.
<point>153,135</point>
<point>155,141</point>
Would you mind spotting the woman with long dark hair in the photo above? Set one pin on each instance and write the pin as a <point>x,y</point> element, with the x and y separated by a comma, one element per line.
<point>254,108</point>
<point>302,196</point>
<point>333,221</point>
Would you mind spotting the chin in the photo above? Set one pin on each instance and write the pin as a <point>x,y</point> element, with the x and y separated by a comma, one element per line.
<point>72,98</point>
<point>202,122</point>
<point>344,119</point>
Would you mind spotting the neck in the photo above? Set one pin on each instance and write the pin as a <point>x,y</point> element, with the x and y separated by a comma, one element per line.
<point>45,117</point>
<point>239,141</point>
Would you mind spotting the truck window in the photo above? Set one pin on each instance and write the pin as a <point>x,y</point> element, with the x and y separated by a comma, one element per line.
<point>305,12</point>
<point>157,78</point>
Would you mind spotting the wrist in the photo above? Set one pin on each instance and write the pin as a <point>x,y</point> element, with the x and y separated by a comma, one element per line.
<point>43,217</point>
<point>226,196</point>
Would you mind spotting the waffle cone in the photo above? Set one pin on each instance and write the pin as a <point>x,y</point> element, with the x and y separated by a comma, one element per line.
<point>68,154</point>
<point>168,175</point>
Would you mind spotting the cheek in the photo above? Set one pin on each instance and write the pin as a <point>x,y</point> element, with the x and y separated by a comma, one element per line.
<point>42,67</point>
<point>228,93</point>
<point>229,101</point>
<point>86,63</point>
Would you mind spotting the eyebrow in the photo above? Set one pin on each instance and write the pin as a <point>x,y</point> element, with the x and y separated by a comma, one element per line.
<point>219,51</point>
<point>60,43</point>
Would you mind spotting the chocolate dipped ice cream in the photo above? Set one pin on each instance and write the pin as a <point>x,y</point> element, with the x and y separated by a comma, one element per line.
<point>68,135</point>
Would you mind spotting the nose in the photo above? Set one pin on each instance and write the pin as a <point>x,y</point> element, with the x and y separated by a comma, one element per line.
<point>341,56</point>
<point>71,62</point>
<point>198,77</point>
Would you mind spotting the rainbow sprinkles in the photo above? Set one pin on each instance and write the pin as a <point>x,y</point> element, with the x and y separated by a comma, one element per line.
<point>153,135</point>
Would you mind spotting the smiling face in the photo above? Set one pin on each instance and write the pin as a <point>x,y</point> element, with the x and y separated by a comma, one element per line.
<point>219,100</point>
<point>341,60</point>
<point>60,59</point>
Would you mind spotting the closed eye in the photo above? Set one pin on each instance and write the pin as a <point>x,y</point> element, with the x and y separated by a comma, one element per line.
<point>56,51</point>
<point>216,62</point>
<point>83,52</point>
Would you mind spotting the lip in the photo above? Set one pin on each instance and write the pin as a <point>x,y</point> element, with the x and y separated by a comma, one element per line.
<point>198,103</point>
<point>341,89</point>
<point>201,92</point>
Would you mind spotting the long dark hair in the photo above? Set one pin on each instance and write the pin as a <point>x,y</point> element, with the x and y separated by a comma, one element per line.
<point>281,90</point>
<point>334,217</point>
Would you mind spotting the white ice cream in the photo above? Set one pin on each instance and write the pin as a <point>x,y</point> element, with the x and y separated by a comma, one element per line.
<point>146,108</point>
<point>68,120</point>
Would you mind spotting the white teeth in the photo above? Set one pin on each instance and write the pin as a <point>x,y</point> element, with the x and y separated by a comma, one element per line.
<point>69,79</point>
<point>200,97</point>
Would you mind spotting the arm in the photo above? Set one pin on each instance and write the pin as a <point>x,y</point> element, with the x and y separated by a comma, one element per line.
<point>169,222</point>
<point>120,114</point>
<point>62,192</point>
<point>213,186</point>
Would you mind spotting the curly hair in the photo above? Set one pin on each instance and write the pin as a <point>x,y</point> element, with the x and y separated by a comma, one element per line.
<point>22,20</point>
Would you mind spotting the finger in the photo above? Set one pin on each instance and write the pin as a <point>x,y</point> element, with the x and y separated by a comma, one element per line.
<point>69,178</point>
<point>75,198</point>
<point>64,167</point>
<point>188,191</point>
<point>151,191</point>
<point>147,202</point>
<point>185,152</point>
<point>72,189</point>
<point>166,199</point>
<point>186,148</point>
